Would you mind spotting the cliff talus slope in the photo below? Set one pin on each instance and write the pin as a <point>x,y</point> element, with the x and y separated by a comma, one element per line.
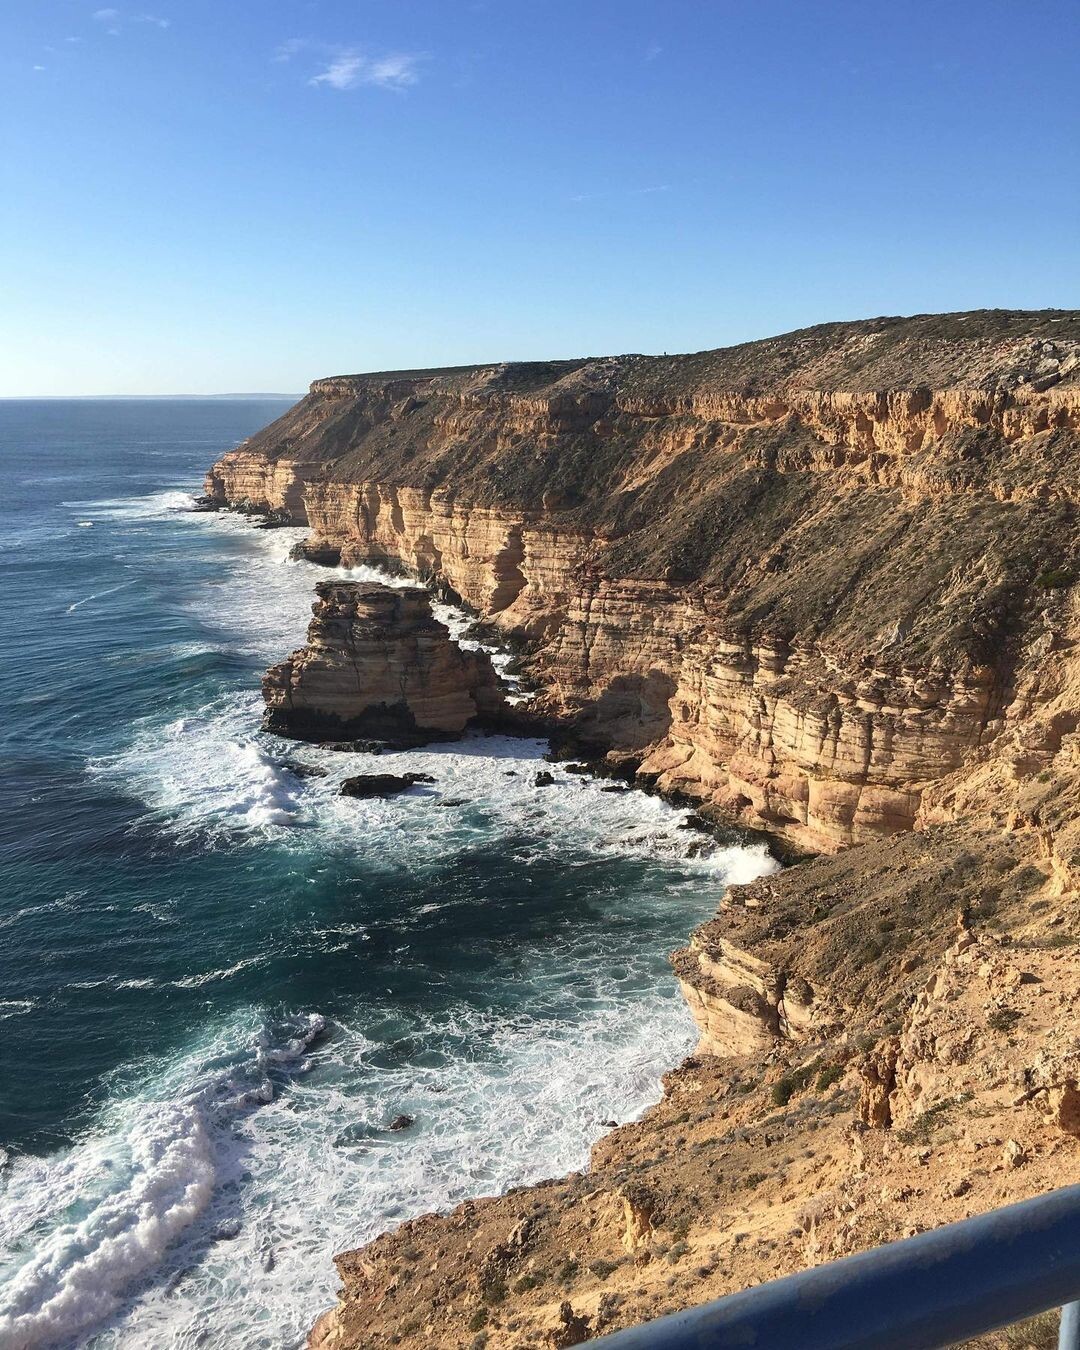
<point>799,580</point>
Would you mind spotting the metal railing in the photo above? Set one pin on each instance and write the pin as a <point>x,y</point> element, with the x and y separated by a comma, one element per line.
<point>937,1289</point>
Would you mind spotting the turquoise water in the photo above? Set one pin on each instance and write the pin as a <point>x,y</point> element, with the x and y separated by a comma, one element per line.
<point>219,982</point>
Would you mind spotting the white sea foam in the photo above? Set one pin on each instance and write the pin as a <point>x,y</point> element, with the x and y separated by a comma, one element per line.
<point>213,1148</point>
<point>80,1227</point>
<point>498,1100</point>
<point>111,590</point>
<point>154,506</point>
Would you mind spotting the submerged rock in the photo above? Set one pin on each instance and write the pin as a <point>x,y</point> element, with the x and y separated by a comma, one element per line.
<point>378,665</point>
<point>300,770</point>
<point>382,784</point>
<point>401,1122</point>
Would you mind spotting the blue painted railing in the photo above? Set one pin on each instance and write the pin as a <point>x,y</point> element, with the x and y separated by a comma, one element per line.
<point>936,1289</point>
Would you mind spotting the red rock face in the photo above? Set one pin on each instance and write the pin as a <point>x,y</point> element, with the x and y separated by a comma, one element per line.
<point>379,666</point>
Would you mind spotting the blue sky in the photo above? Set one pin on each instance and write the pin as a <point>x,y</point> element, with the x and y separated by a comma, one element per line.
<point>212,195</point>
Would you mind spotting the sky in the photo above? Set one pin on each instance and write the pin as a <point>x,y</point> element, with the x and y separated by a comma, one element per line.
<point>207,196</point>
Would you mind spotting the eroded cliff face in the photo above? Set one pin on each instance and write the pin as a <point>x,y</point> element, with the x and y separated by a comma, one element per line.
<point>378,665</point>
<point>796,580</point>
<point>822,585</point>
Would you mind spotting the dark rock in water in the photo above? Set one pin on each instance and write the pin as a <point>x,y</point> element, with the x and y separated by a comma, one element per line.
<point>615,787</point>
<point>401,1122</point>
<point>299,770</point>
<point>697,822</point>
<point>453,801</point>
<point>566,745</point>
<point>356,747</point>
<point>315,551</point>
<point>274,520</point>
<point>610,1124</point>
<point>382,784</point>
<point>577,768</point>
<point>206,504</point>
<point>543,779</point>
<point>510,773</point>
<point>227,1230</point>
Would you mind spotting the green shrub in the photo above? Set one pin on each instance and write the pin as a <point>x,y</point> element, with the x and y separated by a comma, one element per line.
<point>1003,1019</point>
<point>798,1080</point>
<point>602,1269</point>
<point>493,1290</point>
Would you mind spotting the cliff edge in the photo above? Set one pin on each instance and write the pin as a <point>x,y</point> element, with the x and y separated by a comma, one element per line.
<point>825,586</point>
<point>802,581</point>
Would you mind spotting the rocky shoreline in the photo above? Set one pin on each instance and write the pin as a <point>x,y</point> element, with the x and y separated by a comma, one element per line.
<point>822,587</point>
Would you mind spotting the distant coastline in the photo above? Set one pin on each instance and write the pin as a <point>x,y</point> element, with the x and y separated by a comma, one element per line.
<point>147,398</point>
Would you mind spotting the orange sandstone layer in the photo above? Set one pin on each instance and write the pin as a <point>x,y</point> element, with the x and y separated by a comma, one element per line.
<point>792,579</point>
<point>377,664</point>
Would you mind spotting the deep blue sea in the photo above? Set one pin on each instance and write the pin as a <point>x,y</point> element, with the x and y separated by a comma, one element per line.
<point>220,982</point>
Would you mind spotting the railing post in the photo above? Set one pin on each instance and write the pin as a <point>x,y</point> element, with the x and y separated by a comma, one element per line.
<point>1069,1335</point>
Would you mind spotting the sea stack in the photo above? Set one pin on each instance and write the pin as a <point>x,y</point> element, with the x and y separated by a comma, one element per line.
<point>379,666</point>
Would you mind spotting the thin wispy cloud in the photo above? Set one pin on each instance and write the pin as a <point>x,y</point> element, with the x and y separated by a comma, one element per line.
<point>394,72</point>
<point>653,51</point>
<point>350,67</point>
<point>343,72</point>
<point>292,48</point>
<point>113,20</point>
<point>110,19</point>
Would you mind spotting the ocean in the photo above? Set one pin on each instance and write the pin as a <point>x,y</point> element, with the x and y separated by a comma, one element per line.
<point>220,981</point>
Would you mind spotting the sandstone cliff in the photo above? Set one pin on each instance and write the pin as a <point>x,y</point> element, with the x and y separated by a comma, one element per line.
<point>378,665</point>
<point>800,580</point>
<point>824,585</point>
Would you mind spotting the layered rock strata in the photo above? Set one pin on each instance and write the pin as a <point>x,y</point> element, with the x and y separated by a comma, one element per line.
<point>825,586</point>
<point>378,665</point>
<point>795,579</point>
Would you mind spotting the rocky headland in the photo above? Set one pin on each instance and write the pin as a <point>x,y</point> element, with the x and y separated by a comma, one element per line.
<point>822,586</point>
